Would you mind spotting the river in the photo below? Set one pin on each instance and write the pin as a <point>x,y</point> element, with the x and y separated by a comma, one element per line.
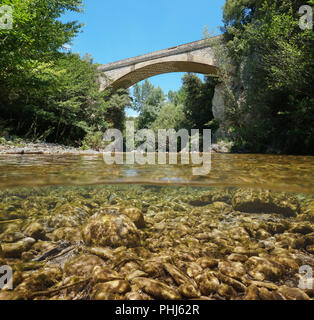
<point>72,227</point>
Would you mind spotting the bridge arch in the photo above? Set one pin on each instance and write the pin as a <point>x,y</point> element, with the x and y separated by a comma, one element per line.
<point>196,57</point>
<point>154,69</point>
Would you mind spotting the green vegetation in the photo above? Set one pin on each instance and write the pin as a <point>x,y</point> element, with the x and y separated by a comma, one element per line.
<point>47,94</point>
<point>270,101</point>
<point>190,107</point>
<point>266,68</point>
<point>198,96</point>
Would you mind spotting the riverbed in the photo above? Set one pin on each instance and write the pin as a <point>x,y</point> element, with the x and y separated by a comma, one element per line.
<point>72,227</point>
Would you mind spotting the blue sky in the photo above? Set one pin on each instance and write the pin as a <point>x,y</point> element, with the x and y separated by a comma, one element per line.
<point>116,30</point>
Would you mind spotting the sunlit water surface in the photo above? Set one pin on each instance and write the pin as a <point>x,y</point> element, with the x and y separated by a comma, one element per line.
<point>280,173</point>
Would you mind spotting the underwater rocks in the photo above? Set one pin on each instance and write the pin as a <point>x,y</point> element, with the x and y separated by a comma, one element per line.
<point>110,230</point>
<point>307,210</point>
<point>66,234</point>
<point>210,197</point>
<point>35,230</point>
<point>105,274</point>
<point>207,284</point>
<point>232,269</point>
<point>264,269</point>
<point>104,253</point>
<point>303,228</point>
<point>135,215</point>
<point>156,289</point>
<point>187,286</point>
<point>293,293</point>
<point>171,249</point>
<point>39,280</point>
<point>15,250</point>
<point>109,290</point>
<point>82,265</point>
<point>253,201</point>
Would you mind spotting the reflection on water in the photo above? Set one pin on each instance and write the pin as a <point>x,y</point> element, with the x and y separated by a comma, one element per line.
<point>282,173</point>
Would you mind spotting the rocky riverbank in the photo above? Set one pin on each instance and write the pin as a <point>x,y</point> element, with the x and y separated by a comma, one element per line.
<point>41,148</point>
<point>145,243</point>
<point>23,147</point>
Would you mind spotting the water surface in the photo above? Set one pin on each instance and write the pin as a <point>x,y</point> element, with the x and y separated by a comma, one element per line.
<point>282,173</point>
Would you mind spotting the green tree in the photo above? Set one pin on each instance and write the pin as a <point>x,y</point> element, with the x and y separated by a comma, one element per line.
<point>117,103</point>
<point>176,97</point>
<point>198,97</point>
<point>63,102</point>
<point>45,93</point>
<point>140,94</point>
<point>151,101</point>
<point>36,37</point>
<point>274,66</point>
<point>170,117</point>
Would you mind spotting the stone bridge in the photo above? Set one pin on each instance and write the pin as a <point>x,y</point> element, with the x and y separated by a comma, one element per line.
<point>196,57</point>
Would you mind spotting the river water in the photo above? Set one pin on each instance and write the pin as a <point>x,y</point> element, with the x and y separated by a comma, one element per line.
<point>72,227</point>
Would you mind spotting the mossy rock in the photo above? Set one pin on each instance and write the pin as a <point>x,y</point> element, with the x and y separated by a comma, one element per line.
<point>82,265</point>
<point>110,230</point>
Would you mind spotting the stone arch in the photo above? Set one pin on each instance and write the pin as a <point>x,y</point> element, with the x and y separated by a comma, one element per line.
<point>128,78</point>
<point>196,57</point>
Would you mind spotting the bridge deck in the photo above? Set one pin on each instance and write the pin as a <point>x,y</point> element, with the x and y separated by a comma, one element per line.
<point>188,47</point>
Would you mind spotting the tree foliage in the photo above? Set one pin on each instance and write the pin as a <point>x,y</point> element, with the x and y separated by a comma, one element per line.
<point>148,100</point>
<point>189,107</point>
<point>198,96</point>
<point>45,93</point>
<point>274,62</point>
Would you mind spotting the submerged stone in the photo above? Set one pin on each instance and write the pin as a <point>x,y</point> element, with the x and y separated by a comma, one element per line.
<point>232,269</point>
<point>293,293</point>
<point>252,201</point>
<point>15,250</point>
<point>41,279</point>
<point>105,274</point>
<point>157,289</point>
<point>252,293</point>
<point>35,230</point>
<point>82,265</point>
<point>110,230</point>
<point>262,269</point>
<point>135,215</point>
<point>107,290</point>
<point>227,291</point>
<point>67,233</point>
<point>208,284</point>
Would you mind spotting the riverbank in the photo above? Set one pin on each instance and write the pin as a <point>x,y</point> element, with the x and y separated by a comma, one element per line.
<point>23,147</point>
